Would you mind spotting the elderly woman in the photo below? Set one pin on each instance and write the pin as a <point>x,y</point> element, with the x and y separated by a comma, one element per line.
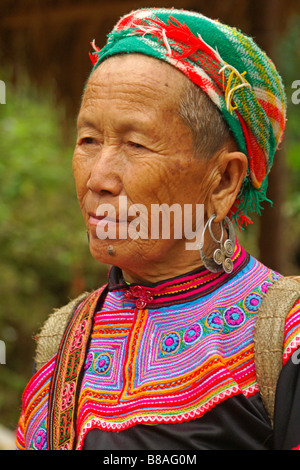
<point>184,111</point>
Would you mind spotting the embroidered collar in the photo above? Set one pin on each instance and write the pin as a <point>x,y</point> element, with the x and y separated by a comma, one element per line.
<point>187,287</point>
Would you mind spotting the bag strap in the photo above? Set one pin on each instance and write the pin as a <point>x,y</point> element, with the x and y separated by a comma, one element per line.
<point>68,373</point>
<point>51,333</point>
<point>269,337</point>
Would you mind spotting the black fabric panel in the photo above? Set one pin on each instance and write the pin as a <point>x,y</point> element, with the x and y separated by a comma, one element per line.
<point>238,423</point>
<point>287,406</point>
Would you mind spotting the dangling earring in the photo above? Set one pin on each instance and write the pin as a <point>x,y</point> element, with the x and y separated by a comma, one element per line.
<point>221,259</point>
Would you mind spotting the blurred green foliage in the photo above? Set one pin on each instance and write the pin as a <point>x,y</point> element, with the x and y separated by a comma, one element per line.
<point>43,247</point>
<point>43,244</point>
<point>289,61</point>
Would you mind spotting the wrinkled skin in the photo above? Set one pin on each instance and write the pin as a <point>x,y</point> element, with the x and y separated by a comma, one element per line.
<point>132,142</point>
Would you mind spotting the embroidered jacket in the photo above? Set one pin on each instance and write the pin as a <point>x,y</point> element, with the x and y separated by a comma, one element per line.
<point>177,355</point>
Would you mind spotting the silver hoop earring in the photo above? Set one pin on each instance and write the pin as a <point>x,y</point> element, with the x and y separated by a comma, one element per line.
<point>221,259</point>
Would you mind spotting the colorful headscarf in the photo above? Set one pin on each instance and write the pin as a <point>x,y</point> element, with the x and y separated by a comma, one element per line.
<point>230,68</point>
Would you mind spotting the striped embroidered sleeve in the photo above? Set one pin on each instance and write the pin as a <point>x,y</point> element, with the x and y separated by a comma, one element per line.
<point>287,406</point>
<point>292,334</point>
<point>31,432</point>
<point>20,441</point>
<point>292,340</point>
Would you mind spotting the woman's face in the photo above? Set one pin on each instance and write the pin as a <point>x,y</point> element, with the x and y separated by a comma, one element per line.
<point>133,146</point>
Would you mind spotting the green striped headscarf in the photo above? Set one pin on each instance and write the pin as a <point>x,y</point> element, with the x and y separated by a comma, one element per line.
<point>230,68</point>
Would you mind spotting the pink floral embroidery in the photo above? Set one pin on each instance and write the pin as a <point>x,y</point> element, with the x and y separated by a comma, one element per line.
<point>78,336</point>
<point>68,395</point>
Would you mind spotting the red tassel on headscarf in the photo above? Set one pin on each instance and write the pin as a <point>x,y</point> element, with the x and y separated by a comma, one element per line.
<point>92,55</point>
<point>241,219</point>
<point>180,33</point>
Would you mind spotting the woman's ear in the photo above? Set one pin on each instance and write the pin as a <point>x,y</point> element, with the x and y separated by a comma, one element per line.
<point>232,169</point>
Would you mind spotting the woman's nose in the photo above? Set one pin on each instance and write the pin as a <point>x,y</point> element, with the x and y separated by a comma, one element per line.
<point>105,176</point>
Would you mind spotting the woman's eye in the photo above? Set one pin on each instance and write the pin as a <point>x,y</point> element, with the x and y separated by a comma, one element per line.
<point>136,145</point>
<point>87,140</point>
